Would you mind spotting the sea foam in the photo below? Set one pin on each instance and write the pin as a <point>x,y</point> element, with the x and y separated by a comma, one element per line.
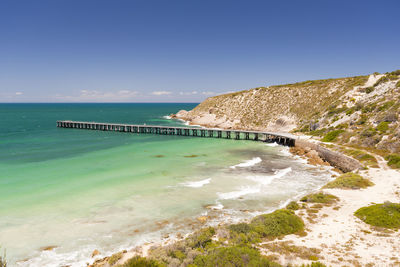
<point>196,184</point>
<point>272,144</point>
<point>261,180</point>
<point>244,190</point>
<point>247,163</point>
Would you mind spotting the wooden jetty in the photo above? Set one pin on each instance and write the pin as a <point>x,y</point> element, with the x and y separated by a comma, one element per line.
<point>270,137</point>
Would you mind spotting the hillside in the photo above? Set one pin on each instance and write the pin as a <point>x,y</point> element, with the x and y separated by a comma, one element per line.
<point>361,111</point>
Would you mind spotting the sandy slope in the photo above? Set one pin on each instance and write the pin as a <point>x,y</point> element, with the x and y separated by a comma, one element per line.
<point>342,237</point>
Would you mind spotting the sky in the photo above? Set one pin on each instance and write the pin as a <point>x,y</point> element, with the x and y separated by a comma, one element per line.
<point>186,50</point>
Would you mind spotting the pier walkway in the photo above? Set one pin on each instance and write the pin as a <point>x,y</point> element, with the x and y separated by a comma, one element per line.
<point>270,137</point>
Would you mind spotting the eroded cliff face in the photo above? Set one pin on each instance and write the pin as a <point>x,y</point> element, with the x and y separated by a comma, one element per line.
<point>274,108</point>
<point>359,111</point>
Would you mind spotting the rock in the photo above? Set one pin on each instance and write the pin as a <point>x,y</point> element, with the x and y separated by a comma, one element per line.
<point>95,253</point>
<point>181,114</point>
<point>202,219</point>
<point>48,248</point>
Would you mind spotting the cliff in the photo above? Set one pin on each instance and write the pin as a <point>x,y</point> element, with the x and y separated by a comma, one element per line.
<point>358,111</point>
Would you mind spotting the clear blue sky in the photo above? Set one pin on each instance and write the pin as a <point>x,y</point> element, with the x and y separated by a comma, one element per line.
<point>185,51</point>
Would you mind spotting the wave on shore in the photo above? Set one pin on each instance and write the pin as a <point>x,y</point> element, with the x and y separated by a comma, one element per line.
<point>247,163</point>
<point>196,184</point>
<point>272,144</point>
<point>261,180</point>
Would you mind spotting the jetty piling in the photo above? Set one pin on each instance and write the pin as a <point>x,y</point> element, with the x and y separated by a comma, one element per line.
<point>269,137</point>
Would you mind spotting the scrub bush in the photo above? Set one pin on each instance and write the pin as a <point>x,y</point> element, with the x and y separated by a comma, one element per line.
<point>319,198</point>
<point>385,215</point>
<point>233,256</point>
<point>349,181</point>
<point>331,136</point>
<point>142,262</point>
<point>201,238</point>
<point>383,126</point>
<point>278,223</point>
<point>293,206</point>
<point>393,160</point>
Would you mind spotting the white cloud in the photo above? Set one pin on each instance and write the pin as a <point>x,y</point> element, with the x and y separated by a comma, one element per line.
<point>18,93</point>
<point>188,93</point>
<point>208,93</point>
<point>112,95</point>
<point>97,95</point>
<point>161,93</point>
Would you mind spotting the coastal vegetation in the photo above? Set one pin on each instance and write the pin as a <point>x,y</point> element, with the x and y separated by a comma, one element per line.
<point>115,258</point>
<point>231,245</point>
<point>320,197</point>
<point>3,261</point>
<point>293,205</point>
<point>288,249</point>
<point>349,181</point>
<point>386,215</point>
<point>142,262</point>
<point>331,136</point>
<point>232,256</point>
<point>276,224</point>
<point>393,160</point>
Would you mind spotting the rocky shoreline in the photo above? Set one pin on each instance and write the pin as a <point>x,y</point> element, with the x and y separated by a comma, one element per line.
<point>304,146</point>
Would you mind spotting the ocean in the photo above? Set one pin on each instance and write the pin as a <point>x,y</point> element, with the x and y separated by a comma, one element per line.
<point>66,192</point>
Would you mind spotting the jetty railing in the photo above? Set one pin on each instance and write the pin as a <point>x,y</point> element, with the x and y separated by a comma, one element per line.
<point>269,137</point>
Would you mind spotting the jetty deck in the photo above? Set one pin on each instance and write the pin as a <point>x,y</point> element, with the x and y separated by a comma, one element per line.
<point>270,137</point>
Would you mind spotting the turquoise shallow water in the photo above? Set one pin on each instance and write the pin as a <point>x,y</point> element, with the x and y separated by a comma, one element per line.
<point>81,190</point>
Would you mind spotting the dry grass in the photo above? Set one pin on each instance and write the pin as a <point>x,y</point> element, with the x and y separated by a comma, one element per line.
<point>286,249</point>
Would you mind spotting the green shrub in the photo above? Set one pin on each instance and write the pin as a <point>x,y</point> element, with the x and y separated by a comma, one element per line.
<point>314,264</point>
<point>381,80</point>
<point>114,258</point>
<point>383,126</point>
<point>333,111</point>
<point>293,206</point>
<point>385,215</point>
<point>349,181</point>
<point>398,84</point>
<point>240,228</point>
<point>386,105</point>
<point>362,156</point>
<point>363,119</point>
<point>233,256</point>
<point>350,110</point>
<point>3,261</point>
<point>249,238</point>
<point>201,238</point>
<point>396,72</point>
<point>369,89</point>
<point>369,132</point>
<point>318,132</point>
<point>142,262</point>
<point>177,254</point>
<point>319,198</point>
<point>278,223</point>
<point>393,160</point>
<point>331,136</point>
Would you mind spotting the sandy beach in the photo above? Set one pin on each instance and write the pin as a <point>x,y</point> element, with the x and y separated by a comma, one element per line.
<point>341,237</point>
